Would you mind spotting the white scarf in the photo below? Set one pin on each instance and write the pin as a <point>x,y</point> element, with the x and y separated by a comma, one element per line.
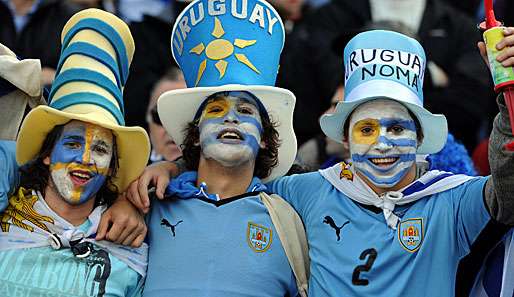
<point>343,177</point>
<point>31,223</point>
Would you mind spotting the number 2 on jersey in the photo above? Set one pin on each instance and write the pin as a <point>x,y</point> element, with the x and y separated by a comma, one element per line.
<point>371,254</point>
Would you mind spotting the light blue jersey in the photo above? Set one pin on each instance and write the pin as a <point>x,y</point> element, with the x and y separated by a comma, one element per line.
<point>8,170</point>
<point>226,248</point>
<point>43,271</point>
<point>354,253</point>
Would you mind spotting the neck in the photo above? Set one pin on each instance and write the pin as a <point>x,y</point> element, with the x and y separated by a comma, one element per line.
<point>74,214</point>
<point>225,181</point>
<point>22,7</point>
<point>407,179</point>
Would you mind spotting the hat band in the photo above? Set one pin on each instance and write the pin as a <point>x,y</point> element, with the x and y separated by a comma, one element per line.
<point>110,34</point>
<point>89,50</point>
<point>89,98</point>
<point>86,75</point>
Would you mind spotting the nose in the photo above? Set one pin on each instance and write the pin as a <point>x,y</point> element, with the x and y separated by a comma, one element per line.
<point>231,117</point>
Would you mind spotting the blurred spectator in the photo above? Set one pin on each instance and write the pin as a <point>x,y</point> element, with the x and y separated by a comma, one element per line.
<point>452,158</point>
<point>469,7</point>
<point>457,81</point>
<point>163,147</point>
<point>107,5</point>
<point>481,157</point>
<point>135,10</point>
<point>321,152</point>
<point>152,59</point>
<point>32,29</point>
<point>307,66</point>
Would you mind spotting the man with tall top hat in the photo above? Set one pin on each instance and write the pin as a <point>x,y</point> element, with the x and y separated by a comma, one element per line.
<point>381,225</point>
<point>215,234</point>
<point>75,155</point>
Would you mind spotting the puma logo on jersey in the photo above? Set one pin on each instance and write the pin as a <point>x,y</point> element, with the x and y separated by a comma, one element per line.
<point>330,221</point>
<point>165,223</point>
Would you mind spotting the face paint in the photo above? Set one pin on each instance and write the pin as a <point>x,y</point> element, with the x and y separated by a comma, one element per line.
<point>80,161</point>
<point>230,130</point>
<point>383,141</point>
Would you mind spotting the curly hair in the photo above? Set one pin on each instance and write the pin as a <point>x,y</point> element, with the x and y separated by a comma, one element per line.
<point>266,160</point>
<point>35,174</point>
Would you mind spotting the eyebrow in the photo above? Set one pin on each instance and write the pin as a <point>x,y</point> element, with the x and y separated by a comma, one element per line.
<point>73,137</point>
<point>101,143</point>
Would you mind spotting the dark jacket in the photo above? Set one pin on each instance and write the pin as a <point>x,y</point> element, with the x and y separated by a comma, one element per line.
<point>449,38</point>
<point>41,36</point>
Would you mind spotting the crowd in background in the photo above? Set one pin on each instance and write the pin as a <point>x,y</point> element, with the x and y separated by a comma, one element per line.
<point>457,82</point>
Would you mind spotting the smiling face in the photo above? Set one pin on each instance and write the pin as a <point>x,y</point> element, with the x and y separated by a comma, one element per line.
<point>383,142</point>
<point>79,162</point>
<point>230,130</point>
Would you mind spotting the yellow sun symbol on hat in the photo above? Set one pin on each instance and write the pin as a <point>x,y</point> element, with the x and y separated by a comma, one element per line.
<point>219,49</point>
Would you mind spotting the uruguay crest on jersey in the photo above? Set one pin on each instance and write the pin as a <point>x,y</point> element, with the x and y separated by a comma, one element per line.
<point>258,237</point>
<point>410,234</point>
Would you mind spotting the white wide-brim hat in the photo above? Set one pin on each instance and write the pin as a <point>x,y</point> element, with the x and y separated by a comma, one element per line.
<point>177,108</point>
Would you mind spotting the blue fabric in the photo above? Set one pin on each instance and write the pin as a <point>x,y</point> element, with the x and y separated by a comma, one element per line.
<point>89,50</point>
<point>199,249</point>
<point>493,272</point>
<point>184,187</point>
<point>110,34</point>
<point>9,177</point>
<point>354,253</point>
<point>47,272</point>
<point>86,75</point>
<point>89,98</point>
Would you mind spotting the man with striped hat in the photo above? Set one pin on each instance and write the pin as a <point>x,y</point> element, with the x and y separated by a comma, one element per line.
<point>75,157</point>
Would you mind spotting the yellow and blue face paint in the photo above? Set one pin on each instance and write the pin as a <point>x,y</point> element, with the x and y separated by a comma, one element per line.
<point>230,129</point>
<point>383,141</point>
<point>80,159</point>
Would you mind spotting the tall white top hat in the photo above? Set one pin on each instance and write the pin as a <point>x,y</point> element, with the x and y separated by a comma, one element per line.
<point>386,65</point>
<point>230,46</point>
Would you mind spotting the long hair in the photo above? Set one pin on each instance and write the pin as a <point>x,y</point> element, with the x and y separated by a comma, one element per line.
<point>266,160</point>
<point>36,174</point>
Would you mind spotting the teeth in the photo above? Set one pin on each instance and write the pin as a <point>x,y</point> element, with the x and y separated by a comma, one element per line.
<point>80,175</point>
<point>383,160</point>
<point>230,135</point>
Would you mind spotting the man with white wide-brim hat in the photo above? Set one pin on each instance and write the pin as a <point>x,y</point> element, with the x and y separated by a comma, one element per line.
<point>75,156</point>
<point>380,226</point>
<point>215,233</point>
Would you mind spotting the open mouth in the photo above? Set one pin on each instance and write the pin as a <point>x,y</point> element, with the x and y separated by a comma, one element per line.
<point>80,177</point>
<point>383,162</point>
<point>230,135</point>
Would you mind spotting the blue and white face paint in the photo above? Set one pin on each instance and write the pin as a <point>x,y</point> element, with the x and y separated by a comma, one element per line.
<point>230,130</point>
<point>383,141</point>
<point>80,159</point>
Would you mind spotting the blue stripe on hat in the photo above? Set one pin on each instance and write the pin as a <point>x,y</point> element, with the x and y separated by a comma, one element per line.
<point>86,75</point>
<point>89,50</point>
<point>89,98</point>
<point>110,34</point>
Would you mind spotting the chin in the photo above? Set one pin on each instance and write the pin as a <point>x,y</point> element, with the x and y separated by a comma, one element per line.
<point>228,155</point>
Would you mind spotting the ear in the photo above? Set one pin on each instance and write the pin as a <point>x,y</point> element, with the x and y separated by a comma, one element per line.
<point>46,161</point>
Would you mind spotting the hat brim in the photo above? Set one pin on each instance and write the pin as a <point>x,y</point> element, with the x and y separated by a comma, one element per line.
<point>132,142</point>
<point>434,126</point>
<point>178,107</point>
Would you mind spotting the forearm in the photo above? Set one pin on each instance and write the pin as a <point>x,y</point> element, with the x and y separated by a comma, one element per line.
<point>499,191</point>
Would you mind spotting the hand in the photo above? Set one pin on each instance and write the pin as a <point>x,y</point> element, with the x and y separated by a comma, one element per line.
<point>123,224</point>
<point>157,174</point>
<point>506,58</point>
<point>47,76</point>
